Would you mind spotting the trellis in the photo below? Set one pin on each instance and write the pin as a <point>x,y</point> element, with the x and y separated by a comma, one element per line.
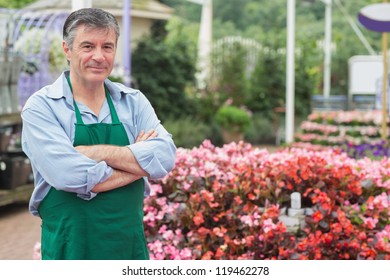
<point>35,71</point>
<point>224,47</point>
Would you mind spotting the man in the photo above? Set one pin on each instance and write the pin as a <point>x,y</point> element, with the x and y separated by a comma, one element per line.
<point>92,145</point>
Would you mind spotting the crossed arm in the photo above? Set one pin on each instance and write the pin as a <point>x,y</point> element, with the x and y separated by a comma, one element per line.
<point>126,169</point>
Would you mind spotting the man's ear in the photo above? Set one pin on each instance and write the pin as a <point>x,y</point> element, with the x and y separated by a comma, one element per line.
<point>66,50</point>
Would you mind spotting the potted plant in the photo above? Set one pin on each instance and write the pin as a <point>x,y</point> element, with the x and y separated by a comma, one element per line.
<point>233,122</point>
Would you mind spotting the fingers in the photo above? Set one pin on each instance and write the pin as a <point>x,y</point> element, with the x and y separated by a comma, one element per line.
<point>142,136</point>
<point>153,134</point>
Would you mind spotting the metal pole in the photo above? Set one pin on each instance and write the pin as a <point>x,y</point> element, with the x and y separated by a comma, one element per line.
<point>205,43</point>
<point>290,73</point>
<point>79,4</point>
<point>126,22</point>
<point>327,47</point>
<point>384,86</point>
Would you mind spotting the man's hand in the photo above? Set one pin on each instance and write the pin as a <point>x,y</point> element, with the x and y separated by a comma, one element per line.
<point>146,135</point>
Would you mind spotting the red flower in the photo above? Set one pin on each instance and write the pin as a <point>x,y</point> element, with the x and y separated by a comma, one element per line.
<point>219,253</point>
<point>238,200</point>
<point>317,216</point>
<point>251,196</point>
<point>208,255</point>
<point>220,232</point>
<point>203,231</point>
<point>328,238</point>
<point>198,219</point>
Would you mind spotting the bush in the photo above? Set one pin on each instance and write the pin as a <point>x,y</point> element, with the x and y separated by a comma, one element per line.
<point>187,132</point>
<point>232,118</point>
<point>163,70</point>
<point>229,78</point>
<point>261,131</point>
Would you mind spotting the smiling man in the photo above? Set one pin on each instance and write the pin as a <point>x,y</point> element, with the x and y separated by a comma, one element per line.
<point>93,144</point>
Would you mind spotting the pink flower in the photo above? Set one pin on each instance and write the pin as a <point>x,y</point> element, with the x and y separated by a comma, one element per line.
<point>161,201</point>
<point>185,254</point>
<point>370,222</point>
<point>168,235</point>
<point>155,189</point>
<point>246,219</point>
<point>268,225</point>
<point>156,246</point>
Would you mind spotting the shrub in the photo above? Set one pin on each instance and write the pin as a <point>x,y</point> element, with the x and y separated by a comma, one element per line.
<point>163,70</point>
<point>261,131</point>
<point>232,118</point>
<point>187,132</point>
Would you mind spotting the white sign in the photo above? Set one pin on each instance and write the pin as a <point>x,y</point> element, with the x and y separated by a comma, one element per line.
<point>364,73</point>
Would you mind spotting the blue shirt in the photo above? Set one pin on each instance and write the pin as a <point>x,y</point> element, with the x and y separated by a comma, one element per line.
<point>48,132</point>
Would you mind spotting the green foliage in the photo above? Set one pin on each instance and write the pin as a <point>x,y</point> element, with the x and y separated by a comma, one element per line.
<point>308,77</point>
<point>266,93</point>
<point>163,70</point>
<point>184,9</point>
<point>223,29</point>
<point>230,78</point>
<point>267,83</point>
<point>187,132</point>
<point>15,3</point>
<point>265,21</point>
<point>261,130</point>
<point>233,118</point>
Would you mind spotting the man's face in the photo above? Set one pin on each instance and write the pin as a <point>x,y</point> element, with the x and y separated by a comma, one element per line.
<point>92,56</point>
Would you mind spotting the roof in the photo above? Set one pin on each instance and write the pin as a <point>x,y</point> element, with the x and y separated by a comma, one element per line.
<point>139,8</point>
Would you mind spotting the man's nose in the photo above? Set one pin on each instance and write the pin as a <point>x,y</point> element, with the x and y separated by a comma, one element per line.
<point>98,55</point>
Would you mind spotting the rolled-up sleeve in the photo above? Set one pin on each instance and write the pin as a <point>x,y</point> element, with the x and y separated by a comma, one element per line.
<point>95,175</point>
<point>156,155</point>
<point>53,156</point>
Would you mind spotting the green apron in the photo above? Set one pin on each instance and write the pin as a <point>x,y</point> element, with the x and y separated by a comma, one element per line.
<point>107,227</point>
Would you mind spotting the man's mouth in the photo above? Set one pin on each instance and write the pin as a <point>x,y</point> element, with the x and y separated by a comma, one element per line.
<point>97,68</point>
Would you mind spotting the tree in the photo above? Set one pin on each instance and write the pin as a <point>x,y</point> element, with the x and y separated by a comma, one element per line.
<point>267,84</point>
<point>163,69</point>
<point>230,78</point>
<point>15,4</point>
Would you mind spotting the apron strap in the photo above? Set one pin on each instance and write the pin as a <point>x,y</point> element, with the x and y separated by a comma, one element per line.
<point>79,119</point>
<point>114,115</point>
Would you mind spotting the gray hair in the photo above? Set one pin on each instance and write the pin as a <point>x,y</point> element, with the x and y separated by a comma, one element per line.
<point>91,18</point>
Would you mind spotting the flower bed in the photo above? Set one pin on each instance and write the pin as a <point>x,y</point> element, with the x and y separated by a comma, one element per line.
<point>356,132</point>
<point>224,203</point>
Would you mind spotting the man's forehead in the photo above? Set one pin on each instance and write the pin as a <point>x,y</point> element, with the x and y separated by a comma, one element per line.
<point>83,32</point>
<point>95,31</point>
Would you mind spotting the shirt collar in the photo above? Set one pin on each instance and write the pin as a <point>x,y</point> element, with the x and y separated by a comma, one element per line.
<point>60,89</point>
